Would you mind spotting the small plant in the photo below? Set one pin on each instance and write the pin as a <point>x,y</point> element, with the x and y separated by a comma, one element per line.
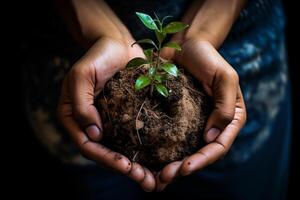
<point>154,131</point>
<point>158,70</point>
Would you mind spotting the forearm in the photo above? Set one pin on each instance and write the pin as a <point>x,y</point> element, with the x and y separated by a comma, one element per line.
<point>89,20</point>
<point>211,20</point>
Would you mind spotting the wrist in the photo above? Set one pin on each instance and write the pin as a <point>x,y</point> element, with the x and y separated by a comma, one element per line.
<point>188,39</point>
<point>200,35</point>
<point>121,46</point>
<point>191,44</point>
<point>122,37</point>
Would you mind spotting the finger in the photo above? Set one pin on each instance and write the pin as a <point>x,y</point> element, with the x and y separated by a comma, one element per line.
<point>82,87</point>
<point>167,175</point>
<point>65,102</point>
<point>91,150</point>
<point>88,77</point>
<point>225,89</point>
<point>109,159</point>
<point>169,172</point>
<point>218,78</point>
<point>211,135</point>
<point>137,172</point>
<point>217,149</point>
<point>168,53</point>
<point>142,176</point>
<point>160,186</point>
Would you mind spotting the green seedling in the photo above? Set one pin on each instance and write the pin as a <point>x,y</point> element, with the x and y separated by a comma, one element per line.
<point>158,71</point>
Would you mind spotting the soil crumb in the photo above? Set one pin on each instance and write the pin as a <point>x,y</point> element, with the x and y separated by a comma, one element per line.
<point>153,131</point>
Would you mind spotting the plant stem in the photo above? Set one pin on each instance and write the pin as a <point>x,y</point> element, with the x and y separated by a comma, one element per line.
<point>151,90</point>
<point>158,54</point>
<point>157,58</point>
<point>156,67</point>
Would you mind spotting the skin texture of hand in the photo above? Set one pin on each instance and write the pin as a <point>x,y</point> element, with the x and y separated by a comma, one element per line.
<point>79,116</point>
<point>210,21</point>
<point>228,117</point>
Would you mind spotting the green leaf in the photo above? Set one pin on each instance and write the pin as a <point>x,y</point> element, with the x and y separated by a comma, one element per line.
<point>161,89</point>
<point>147,20</point>
<point>166,17</point>
<point>170,68</point>
<point>175,27</point>
<point>148,53</point>
<point>142,82</point>
<point>160,36</point>
<point>152,71</point>
<point>173,45</point>
<point>158,78</point>
<point>136,62</point>
<point>146,41</point>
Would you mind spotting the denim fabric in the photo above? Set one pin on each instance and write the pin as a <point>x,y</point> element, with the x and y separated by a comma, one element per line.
<point>255,47</point>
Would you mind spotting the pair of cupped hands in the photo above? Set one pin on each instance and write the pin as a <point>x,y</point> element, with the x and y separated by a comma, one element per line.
<point>86,79</point>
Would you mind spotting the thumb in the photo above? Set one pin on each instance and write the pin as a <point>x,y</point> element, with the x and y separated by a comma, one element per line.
<point>168,53</point>
<point>82,87</point>
<point>224,91</point>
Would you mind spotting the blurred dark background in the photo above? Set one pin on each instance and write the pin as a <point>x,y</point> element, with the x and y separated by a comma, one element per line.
<point>32,171</point>
<point>292,37</point>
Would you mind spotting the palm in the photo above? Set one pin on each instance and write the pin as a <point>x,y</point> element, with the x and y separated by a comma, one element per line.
<point>115,55</point>
<point>229,115</point>
<point>81,118</point>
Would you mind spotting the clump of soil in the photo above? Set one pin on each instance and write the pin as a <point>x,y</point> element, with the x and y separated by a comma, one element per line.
<point>153,131</point>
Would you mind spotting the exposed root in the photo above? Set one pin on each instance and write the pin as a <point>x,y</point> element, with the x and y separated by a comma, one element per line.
<point>153,131</point>
<point>188,87</point>
<point>137,118</point>
<point>135,155</point>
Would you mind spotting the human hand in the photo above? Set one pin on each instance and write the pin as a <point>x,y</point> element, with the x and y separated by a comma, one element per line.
<point>228,117</point>
<point>78,114</point>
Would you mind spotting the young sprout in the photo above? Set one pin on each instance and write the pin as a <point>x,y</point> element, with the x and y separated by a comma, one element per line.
<point>158,71</point>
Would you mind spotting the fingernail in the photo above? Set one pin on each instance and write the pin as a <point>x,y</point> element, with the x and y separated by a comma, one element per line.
<point>93,132</point>
<point>212,134</point>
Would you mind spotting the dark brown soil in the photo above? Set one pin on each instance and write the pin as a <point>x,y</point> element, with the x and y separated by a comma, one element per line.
<point>153,130</point>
